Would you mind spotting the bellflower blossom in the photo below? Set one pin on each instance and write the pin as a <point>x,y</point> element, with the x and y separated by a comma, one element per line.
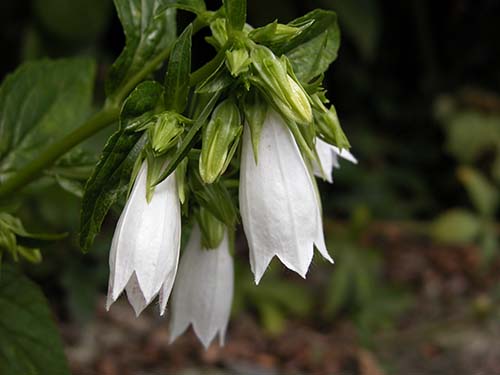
<point>328,158</point>
<point>279,204</point>
<point>203,290</point>
<point>145,247</point>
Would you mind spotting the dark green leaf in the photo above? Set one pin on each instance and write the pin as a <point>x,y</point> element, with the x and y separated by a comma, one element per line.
<point>314,49</point>
<point>148,33</point>
<point>40,102</point>
<point>112,174</point>
<point>194,6</point>
<point>179,69</point>
<point>236,13</point>
<point>29,340</point>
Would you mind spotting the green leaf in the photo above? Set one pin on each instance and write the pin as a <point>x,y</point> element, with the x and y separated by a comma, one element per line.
<point>29,340</point>
<point>194,6</point>
<point>75,20</point>
<point>112,173</point>
<point>179,69</point>
<point>148,32</point>
<point>482,192</point>
<point>361,20</point>
<point>40,102</point>
<point>456,226</point>
<point>236,13</point>
<point>314,49</point>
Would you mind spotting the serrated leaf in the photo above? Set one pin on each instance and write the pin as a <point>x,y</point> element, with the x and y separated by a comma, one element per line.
<point>29,340</point>
<point>482,192</point>
<point>194,6</point>
<point>148,33</point>
<point>236,13</point>
<point>112,173</point>
<point>40,102</point>
<point>314,49</point>
<point>179,69</point>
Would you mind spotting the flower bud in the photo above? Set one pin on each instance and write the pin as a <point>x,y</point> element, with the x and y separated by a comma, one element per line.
<point>281,88</point>
<point>165,132</point>
<point>219,33</point>
<point>219,141</point>
<point>237,61</point>
<point>276,32</point>
<point>212,229</point>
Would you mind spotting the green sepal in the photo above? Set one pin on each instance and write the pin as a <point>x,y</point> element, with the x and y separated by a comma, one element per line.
<point>237,61</point>
<point>179,69</point>
<point>255,109</point>
<point>219,80</point>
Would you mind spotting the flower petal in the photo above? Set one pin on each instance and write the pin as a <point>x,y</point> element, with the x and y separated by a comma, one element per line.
<point>277,200</point>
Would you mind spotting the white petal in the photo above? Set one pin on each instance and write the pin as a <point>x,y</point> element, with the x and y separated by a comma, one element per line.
<point>327,161</point>
<point>135,296</point>
<point>203,290</point>
<point>146,238</point>
<point>277,200</point>
<point>345,154</point>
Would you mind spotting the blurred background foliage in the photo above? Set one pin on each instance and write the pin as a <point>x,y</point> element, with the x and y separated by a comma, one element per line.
<point>416,87</point>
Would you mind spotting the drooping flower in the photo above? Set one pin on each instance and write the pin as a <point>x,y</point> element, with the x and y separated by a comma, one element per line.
<point>203,290</point>
<point>328,158</point>
<point>279,204</point>
<point>145,247</point>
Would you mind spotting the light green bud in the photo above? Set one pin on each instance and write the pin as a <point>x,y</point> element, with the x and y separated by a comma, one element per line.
<point>220,140</point>
<point>279,87</point>
<point>219,33</point>
<point>212,229</point>
<point>237,61</point>
<point>165,133</point>
<point>276,32</point>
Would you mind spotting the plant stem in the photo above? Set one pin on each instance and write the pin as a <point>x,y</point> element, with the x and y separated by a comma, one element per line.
<point>32,170</point>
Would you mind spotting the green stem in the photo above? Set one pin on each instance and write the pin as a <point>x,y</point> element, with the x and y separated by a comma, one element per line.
<point>32,170</point>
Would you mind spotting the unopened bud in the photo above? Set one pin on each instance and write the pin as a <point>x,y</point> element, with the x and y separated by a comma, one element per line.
<point>165,133</point>
<point>219,141</point>
<point>276,32</point>
<point>237,61</point>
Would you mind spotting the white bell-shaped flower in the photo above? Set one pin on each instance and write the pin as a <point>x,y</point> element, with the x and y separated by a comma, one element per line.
<point>203,290</point>
<point>279,204</point>
<point>145,247</point>
<point>328,158</point>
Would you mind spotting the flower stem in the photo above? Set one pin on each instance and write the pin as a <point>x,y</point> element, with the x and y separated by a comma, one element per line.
<point>32,170</point>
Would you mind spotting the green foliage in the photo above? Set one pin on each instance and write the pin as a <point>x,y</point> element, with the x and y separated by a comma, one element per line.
<point>112,173</point>
<point>148,34</point>
<point>76,20</point>
<point>40,102</point>
<point>194,6</point>
<point>236,13</point>
<point>313,50</point>
<point>29,341</point>
<point>179,69</point>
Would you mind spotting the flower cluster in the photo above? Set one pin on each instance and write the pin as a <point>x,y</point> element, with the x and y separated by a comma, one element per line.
<point>253,116</point>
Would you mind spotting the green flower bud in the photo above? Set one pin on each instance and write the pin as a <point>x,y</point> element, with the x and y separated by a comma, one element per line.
<point>219,33</point>
<point>165,133</point>
<point>212,229</point>
<point>219,141</point>
<point>276,33</point>
<point>280,88</point>
<point>237,61</point>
